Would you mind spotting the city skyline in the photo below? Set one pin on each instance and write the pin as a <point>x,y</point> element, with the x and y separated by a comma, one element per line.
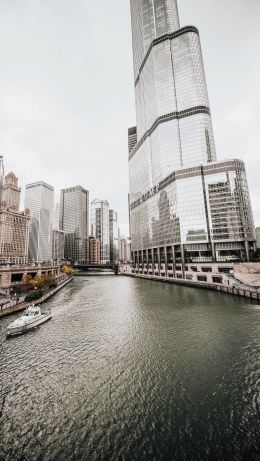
<point>35,132</point>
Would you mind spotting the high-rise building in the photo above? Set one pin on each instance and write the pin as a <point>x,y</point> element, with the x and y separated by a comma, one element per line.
<point>74,221</point>
<point>113,236</point>
<point>58,245</point>
<point>124,250</point>
<point>14,225</point>
<point>94,251</point>
<point>257,237</point>
<point>39,198</point>
<point>184,205</point>
<point>56,216</point>
<point>100,227</point>
<point>132,138</point>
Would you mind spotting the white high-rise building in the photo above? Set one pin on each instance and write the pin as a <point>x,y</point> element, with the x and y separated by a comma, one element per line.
<point>56,216</point>
<point>58,245</point>
<point>39,199</point>
<point>125,250</point>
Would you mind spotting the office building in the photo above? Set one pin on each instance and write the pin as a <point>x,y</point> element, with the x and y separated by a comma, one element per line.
<point>56,216</point>
<point>132,138</point>
<point>58,245</point>
<point>39,198</point>
<point>125,250</point>
<point>113,236</point>
<point>74,221</point>
<point>94,251</point>
<point>184,204</point>
<point>14,225</point>
<point>100,227</point>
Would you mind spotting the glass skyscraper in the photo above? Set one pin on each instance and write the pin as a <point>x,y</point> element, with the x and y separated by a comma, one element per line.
<point>100,227</point>
<point>39,199</point>
<point>184,205</point>
<point>113,236</point>
<point>74,221</point>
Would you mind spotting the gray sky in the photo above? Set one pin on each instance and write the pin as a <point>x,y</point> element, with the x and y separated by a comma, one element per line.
<point>67,91</point>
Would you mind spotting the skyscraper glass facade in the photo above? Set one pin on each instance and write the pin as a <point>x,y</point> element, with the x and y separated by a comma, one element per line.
<point>113,236</point>
<point>100,227</point>
<point>39,199</point>
<point>180,195</point>
<point>74,221</point>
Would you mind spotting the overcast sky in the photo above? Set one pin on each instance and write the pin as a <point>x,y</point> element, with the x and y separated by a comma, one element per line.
<point>67,91</point>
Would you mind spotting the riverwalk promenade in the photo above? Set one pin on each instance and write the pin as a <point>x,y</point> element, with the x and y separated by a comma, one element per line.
<point>19,305</point>
<point>237,289</point>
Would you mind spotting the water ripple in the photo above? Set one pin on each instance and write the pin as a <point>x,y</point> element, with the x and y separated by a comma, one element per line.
<point>133,370</point>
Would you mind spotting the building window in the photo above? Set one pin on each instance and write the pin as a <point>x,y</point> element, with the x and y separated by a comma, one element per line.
<point>202,278</point>
<point>217,279</point>
<point>206,269</point>
<point>226,270</point>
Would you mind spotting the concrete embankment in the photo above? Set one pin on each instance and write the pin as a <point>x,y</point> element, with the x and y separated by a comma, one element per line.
<point>249,292</point>
<point>22,306</point>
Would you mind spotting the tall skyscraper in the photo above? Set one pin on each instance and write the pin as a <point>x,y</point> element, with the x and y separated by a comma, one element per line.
<point>124,250</point>
<point>14,225</point>
<point>184,204</point>
<point>39,198</point>
<point>113,236</point>
<point>58,244</point>
<point>100,227</point>
<point>74,221</point>
<point>56,216</point>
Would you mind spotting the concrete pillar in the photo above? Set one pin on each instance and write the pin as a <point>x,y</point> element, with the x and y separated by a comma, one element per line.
<point>247,251</point>
<point>183,261</point>
<point>153,266</point>
<point>159,262</point>
<point>174,261</point>
<point>147,261</point>
<point>143,261</point>
<point>213,252</point>
<point>133,259</point>
<point>166,261</point>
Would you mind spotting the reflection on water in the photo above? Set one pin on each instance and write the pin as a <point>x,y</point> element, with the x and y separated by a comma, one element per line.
<point>133,370</point>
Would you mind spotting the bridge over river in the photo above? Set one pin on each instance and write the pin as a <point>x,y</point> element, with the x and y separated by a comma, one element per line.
<point>96,269</point>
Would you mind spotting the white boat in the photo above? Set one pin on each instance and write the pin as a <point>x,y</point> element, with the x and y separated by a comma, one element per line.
<point>30,319</point>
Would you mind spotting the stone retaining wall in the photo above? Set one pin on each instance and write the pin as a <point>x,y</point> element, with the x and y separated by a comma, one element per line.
<point>246,293</point>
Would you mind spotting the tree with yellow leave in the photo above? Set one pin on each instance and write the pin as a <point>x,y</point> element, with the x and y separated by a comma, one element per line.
<point>67,270</point>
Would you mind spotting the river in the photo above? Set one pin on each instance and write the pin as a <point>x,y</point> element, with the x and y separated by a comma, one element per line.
<point>133,370</point>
